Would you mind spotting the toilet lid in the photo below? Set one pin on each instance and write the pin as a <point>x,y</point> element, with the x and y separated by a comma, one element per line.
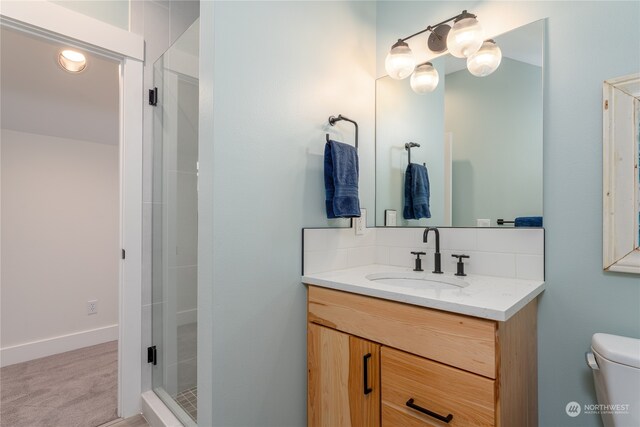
<point>617,349</point>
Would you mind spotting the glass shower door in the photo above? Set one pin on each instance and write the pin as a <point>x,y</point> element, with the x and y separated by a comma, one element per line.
<point>175,226</point>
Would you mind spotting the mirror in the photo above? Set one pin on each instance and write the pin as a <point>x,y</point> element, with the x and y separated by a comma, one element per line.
<point>621,175</point>
<point>480,138</point>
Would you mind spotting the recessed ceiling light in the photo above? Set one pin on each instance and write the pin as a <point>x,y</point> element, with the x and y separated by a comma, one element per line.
<point>72,61</point>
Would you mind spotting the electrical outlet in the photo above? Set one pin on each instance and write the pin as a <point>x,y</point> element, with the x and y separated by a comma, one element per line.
<point>92,307</point>
<point>360,224</point>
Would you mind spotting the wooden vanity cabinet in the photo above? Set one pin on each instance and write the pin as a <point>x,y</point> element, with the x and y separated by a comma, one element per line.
<point>426,367</point>
<point>344,379</point>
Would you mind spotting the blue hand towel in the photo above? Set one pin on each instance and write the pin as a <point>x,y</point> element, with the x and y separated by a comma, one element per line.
<point>528,221</point>
<point>416,192</point>
<point>341,180</point>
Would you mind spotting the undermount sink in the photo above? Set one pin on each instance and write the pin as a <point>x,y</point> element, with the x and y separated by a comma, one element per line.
<point>418,279</point>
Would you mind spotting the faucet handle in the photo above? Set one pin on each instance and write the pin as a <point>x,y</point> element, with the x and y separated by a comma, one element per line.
<point>460,265</point>
<point>418,266</point>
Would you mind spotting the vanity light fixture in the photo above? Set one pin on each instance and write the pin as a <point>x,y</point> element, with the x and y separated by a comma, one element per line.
<point>425,78</point>
<point>400,62</point>
<point>72,61</point>
<point>486,60</point>
<point>464,40</point>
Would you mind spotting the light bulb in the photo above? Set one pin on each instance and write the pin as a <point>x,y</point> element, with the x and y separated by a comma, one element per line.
<point>400,61</point>
<point>72,60</point>
<point>425,78</point>
<point>486,60</point>
<point>465,37</point>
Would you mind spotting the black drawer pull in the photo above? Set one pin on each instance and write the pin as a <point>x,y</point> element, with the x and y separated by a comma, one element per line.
<point>365,363</point>
<point>412,405</point>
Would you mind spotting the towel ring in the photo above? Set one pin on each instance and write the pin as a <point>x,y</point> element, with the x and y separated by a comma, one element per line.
<point>408,146</point>
<point>334,119</point>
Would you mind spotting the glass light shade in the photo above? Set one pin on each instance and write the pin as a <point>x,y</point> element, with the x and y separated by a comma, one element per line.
<point>72,61</point>
<point>424,79</point>
<point>486,60</point>
<point>465,38</point>
<point>400,62</point>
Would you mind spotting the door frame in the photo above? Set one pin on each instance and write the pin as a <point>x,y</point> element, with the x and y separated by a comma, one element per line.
<point>60,24</point>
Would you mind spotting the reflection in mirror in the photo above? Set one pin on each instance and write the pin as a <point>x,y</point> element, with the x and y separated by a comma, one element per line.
<point>480,138</point>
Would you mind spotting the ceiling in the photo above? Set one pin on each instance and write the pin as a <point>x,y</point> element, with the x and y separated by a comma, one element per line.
<point>38,96</point>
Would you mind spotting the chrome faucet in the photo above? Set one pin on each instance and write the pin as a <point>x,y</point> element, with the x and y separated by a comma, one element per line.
<point>437,263</point>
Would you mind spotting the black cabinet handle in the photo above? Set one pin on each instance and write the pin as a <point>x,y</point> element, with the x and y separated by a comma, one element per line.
<point>365,363</point>
<point>412,405</point>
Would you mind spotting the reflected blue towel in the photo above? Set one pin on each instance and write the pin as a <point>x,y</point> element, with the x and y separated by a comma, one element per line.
<point>416,192</point>
<point>528,221</point>
<point>341,180</point>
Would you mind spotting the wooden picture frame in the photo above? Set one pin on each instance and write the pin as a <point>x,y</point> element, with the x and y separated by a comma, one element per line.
<point>621,176</point>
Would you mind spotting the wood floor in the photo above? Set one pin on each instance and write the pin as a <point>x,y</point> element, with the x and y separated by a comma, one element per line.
<point>76,388</point>
<point>135,421</point>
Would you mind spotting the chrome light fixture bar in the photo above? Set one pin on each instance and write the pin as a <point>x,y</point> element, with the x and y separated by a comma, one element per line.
<point>465,39</point>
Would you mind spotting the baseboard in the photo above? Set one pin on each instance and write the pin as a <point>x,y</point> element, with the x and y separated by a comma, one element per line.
<point>50,346</point>
<point>156,412</point>
<point>187,316</point>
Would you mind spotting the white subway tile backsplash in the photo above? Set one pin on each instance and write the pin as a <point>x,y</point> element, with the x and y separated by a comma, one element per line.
<point>521,241</point>
<point>357,257</point>
<point>485,263</point>
<point>382,255</point>
<point>458,239</point>
<point>530,267</point>
<point>319,261</point>
<point>400,237</point>
<point>517,253</point>
<point>400,256</point>
<point>315,239</point>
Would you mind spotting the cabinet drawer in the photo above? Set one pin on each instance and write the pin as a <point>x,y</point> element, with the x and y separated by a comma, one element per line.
<point>443,390</point>
<point>465,342</point>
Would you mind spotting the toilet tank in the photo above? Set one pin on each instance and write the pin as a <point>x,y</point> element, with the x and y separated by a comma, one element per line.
<point>617,379</point>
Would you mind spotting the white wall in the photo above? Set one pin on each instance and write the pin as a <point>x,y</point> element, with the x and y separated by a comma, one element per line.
<point>60,241</point>
<point>271,74</point>
<point>114,12</point>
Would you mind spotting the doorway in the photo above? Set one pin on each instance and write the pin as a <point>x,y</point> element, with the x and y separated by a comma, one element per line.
<point>60,232</point>
<point>54,23</point>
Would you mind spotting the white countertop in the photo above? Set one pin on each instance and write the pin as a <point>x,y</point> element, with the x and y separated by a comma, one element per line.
<point>496,298</point>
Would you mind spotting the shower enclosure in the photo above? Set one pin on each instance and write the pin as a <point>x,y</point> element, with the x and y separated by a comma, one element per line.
<point>175,226</point>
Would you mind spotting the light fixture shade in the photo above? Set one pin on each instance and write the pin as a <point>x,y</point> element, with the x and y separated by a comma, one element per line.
<point>486,60</point>
<point>465,37</point>
<point>425,78</point>
<point>400,62</point>
<point>72,60</point>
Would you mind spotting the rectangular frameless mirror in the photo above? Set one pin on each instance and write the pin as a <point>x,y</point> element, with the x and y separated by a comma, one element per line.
<point>479,137</point>
<point>621,177</point>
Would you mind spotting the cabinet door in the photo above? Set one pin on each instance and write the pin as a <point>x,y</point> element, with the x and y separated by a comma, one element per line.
<point>344,379</point>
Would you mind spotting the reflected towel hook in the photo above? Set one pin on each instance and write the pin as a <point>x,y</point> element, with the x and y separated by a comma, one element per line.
<point>334,119</point>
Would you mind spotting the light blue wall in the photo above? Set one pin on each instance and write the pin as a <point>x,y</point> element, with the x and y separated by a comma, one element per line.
<point>496,122</point>
<point>271,74</point>
<point>580,299</point>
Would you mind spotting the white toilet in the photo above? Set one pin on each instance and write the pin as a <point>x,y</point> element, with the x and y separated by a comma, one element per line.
<point>615,362</point>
